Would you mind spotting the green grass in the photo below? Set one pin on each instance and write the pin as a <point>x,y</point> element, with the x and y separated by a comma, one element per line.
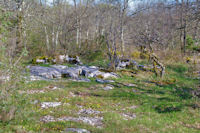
<point>162,105</point>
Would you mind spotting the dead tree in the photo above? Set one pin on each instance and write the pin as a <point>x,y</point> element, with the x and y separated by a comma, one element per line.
<point>155,61</point>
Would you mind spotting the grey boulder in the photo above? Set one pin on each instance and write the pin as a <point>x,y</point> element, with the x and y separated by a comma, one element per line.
<point>126,63</point>
<point>45,72</point>
<point>76,130</point>
<point>108,87</point>
<point>104,81</point>
<point>72,72</point>
<point>59,66</point>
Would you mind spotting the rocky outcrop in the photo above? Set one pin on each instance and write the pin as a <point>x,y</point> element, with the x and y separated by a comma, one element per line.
<point>88,112</point>
<point>76,130</point>
<point>59,71</point>
<point>96,72</point>
<point>72,72</point>
<point>69,59</point>
<point>45,72</point>
<point>126,63</point>
<point>46,105</point>
<point>128,116</point>
<point>131,64</point>
<point>108,87</point>
<point>104,81</point>
<point>58,59</point>
<point>94,121</point>
<point>42,60</point>
<point>59,66</point>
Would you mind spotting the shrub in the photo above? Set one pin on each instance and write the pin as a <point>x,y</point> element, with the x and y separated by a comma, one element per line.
<point>196,48</point>
<point>190,41</point>
<point>11,79</point>
<point>136,54</point>
<point>94,55</point>
<point>144,56</point>
<point>191,44</point>
<point>168,107</point>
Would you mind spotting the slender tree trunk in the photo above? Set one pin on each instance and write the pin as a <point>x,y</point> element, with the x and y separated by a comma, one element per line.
<point>80,35</point>
<point>122,38</point>
<point>77,36</point>
<point>185,27</point>
<point>56,42</point>
<point>87,34</point>
<point>53,38</point>
<point>181,26</point>
<point>184,36</point>
<point>47,38</point>
<point>19,26</point>
<point>77,23</point>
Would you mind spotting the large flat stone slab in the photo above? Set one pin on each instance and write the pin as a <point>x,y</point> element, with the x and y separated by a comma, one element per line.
<point>45,72</point>
<point>94,121</point>
<point>76,130</point>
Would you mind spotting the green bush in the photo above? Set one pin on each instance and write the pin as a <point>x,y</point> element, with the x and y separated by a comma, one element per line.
<point>94,55</point>
<point>190,42</point>
<point>136,54</point>
<point>196,48</point>
<point>168,107</point>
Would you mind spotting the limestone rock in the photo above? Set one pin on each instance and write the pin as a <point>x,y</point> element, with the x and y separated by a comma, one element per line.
<point>95,72</point>
<point>72,72</point>
<point>40,61</point>
<point>4,78</point>
<point>77,130</point>
<point>58,71</point>
<point>104,81</point>
<point>128,116</point>
<point>45,72</point>
<point>69,59</point>
<point>35,78</point>
<point>126,63</point>
<point>80,80</point>
<point>88,112</point>
<point>45,105</point>
<point>108,87</point>
<point>94,121</point>
<point>59,66</point>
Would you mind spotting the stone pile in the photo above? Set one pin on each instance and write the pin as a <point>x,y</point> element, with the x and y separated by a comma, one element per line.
<point>126,63</point>
<point>69,59</point>
<point>131,64</point>
<point>94,121</point>
<point>57,59</point>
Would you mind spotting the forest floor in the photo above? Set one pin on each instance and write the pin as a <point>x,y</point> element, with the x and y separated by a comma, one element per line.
<point>136,103</point>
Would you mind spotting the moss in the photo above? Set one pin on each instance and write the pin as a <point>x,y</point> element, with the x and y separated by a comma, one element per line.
<point>132,66</point>
<point>100,76</point>
<point>136,54</point>
<point>50,59</point>
<point>72,56</point>
<point>46,58</point>
<point>128,72</point>
<point>165,82</point>
<point>144,56</point>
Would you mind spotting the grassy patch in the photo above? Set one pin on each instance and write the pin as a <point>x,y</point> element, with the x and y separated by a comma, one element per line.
<point>162,105</point>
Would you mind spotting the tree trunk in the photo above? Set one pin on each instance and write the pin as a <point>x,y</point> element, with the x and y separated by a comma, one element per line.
<point>47,38</point>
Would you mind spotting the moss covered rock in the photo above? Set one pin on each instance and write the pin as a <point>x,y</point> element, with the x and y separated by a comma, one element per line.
<point>42,60</point>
